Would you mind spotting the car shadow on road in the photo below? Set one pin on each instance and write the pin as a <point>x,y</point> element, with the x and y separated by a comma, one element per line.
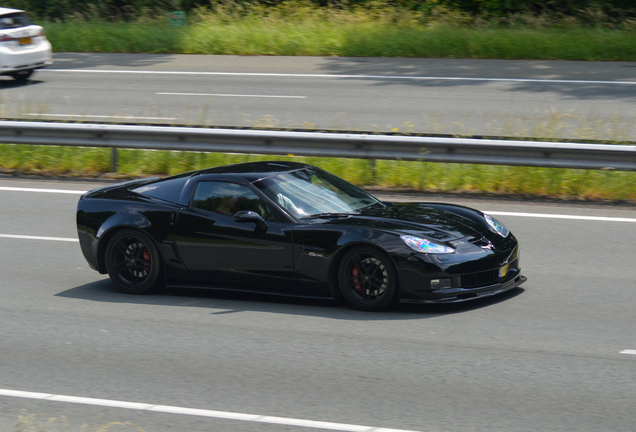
<point>229,302</point>
<point>10,83</point>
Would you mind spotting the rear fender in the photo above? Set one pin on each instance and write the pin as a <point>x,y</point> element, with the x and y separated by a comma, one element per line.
<point>114,224</point>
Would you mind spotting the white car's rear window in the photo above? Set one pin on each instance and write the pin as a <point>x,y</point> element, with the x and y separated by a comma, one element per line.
<point>14,20</point>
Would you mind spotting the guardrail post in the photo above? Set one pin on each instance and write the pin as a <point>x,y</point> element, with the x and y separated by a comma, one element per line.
<point>374,172</point>
<point>114,160</point>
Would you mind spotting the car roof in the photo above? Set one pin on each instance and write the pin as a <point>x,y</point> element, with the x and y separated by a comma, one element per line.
<point>6,11</point>
<point>252,171</point>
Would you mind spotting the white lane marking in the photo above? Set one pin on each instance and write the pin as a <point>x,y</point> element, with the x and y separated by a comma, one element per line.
<point>628,352</point>
<point>494,213</point>
<point>102,116</point>
<point>558,216</point>
<point>289,75</point>
<point>59,191</point>
<point>233,95</point>
<point>27,237</point>
<point>226,415</point>
<point>93,401</point>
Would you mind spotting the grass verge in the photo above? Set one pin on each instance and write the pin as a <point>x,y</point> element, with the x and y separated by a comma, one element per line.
<point>301,29</point>
<point>613,186</point>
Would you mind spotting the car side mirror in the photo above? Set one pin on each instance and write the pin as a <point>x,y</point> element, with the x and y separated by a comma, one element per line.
<point>250,216</point>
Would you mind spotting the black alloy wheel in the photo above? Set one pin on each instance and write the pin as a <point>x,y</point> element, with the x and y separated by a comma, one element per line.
<point>22,75</point>
<point>367,278</point>
<point>133,262</point>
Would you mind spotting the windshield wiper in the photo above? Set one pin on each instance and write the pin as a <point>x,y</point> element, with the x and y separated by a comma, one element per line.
<point>326,215</point>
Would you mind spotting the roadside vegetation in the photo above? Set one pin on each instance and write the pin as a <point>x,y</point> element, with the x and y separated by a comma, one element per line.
<point>374,28</point>
<point>431,177</point>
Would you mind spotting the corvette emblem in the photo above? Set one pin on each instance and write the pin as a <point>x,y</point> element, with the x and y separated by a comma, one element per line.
<point>488,246</point>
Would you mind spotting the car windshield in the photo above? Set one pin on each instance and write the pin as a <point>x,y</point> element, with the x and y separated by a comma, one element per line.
<point>309,192</point>
<point>14,20</point>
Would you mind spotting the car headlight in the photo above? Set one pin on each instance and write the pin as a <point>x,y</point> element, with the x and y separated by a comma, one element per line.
<point>426,246</point>
<point>496,226</point>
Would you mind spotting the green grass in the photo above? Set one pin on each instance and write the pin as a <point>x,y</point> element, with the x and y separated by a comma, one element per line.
<point>425,176</point>
<point>301,29</point>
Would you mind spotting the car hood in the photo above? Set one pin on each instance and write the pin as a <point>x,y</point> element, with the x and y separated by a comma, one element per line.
<point>418,220</point>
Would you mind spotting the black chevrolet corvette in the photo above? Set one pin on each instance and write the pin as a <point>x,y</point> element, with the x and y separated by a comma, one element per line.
<point>292,229</point>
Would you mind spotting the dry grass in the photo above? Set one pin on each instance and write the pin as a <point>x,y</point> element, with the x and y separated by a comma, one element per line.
<point>35,423</point>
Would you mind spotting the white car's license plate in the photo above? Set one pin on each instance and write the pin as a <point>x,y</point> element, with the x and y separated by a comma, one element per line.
<point>25,41</point>
<point>503,271</point>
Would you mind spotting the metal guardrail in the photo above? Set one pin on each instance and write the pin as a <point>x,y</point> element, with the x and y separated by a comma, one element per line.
<point>339,145</point>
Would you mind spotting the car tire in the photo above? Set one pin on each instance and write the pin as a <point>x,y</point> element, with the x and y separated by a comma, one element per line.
<point>367,278</point>
<point>22,75</point>
<point>133,262</point>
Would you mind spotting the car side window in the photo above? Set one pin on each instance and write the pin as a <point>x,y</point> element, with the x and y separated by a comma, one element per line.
<point>228,198</point>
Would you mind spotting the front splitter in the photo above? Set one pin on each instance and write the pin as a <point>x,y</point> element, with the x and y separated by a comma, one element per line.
<point>474,294</point>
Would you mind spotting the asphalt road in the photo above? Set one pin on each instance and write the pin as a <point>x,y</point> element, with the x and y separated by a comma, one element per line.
<point>543,358</point>
<point>592,100</point>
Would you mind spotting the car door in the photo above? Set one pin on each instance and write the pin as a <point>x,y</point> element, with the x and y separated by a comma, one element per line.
<point>218,250</point>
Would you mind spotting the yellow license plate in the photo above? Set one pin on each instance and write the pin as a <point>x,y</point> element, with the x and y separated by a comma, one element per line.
<point>25,41</point>
<point>503,271</point>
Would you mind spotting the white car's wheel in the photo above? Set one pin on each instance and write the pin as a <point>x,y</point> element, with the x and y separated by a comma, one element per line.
<point>22,75</point>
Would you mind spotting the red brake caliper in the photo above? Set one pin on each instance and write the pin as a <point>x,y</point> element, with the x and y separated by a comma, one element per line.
<point>356,279</point>
<point>146,256</point>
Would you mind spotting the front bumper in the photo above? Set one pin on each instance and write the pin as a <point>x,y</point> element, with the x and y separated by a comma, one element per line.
<point>460,277</point>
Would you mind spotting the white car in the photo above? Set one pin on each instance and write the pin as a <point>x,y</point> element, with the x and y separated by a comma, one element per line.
<point>23,45</point>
